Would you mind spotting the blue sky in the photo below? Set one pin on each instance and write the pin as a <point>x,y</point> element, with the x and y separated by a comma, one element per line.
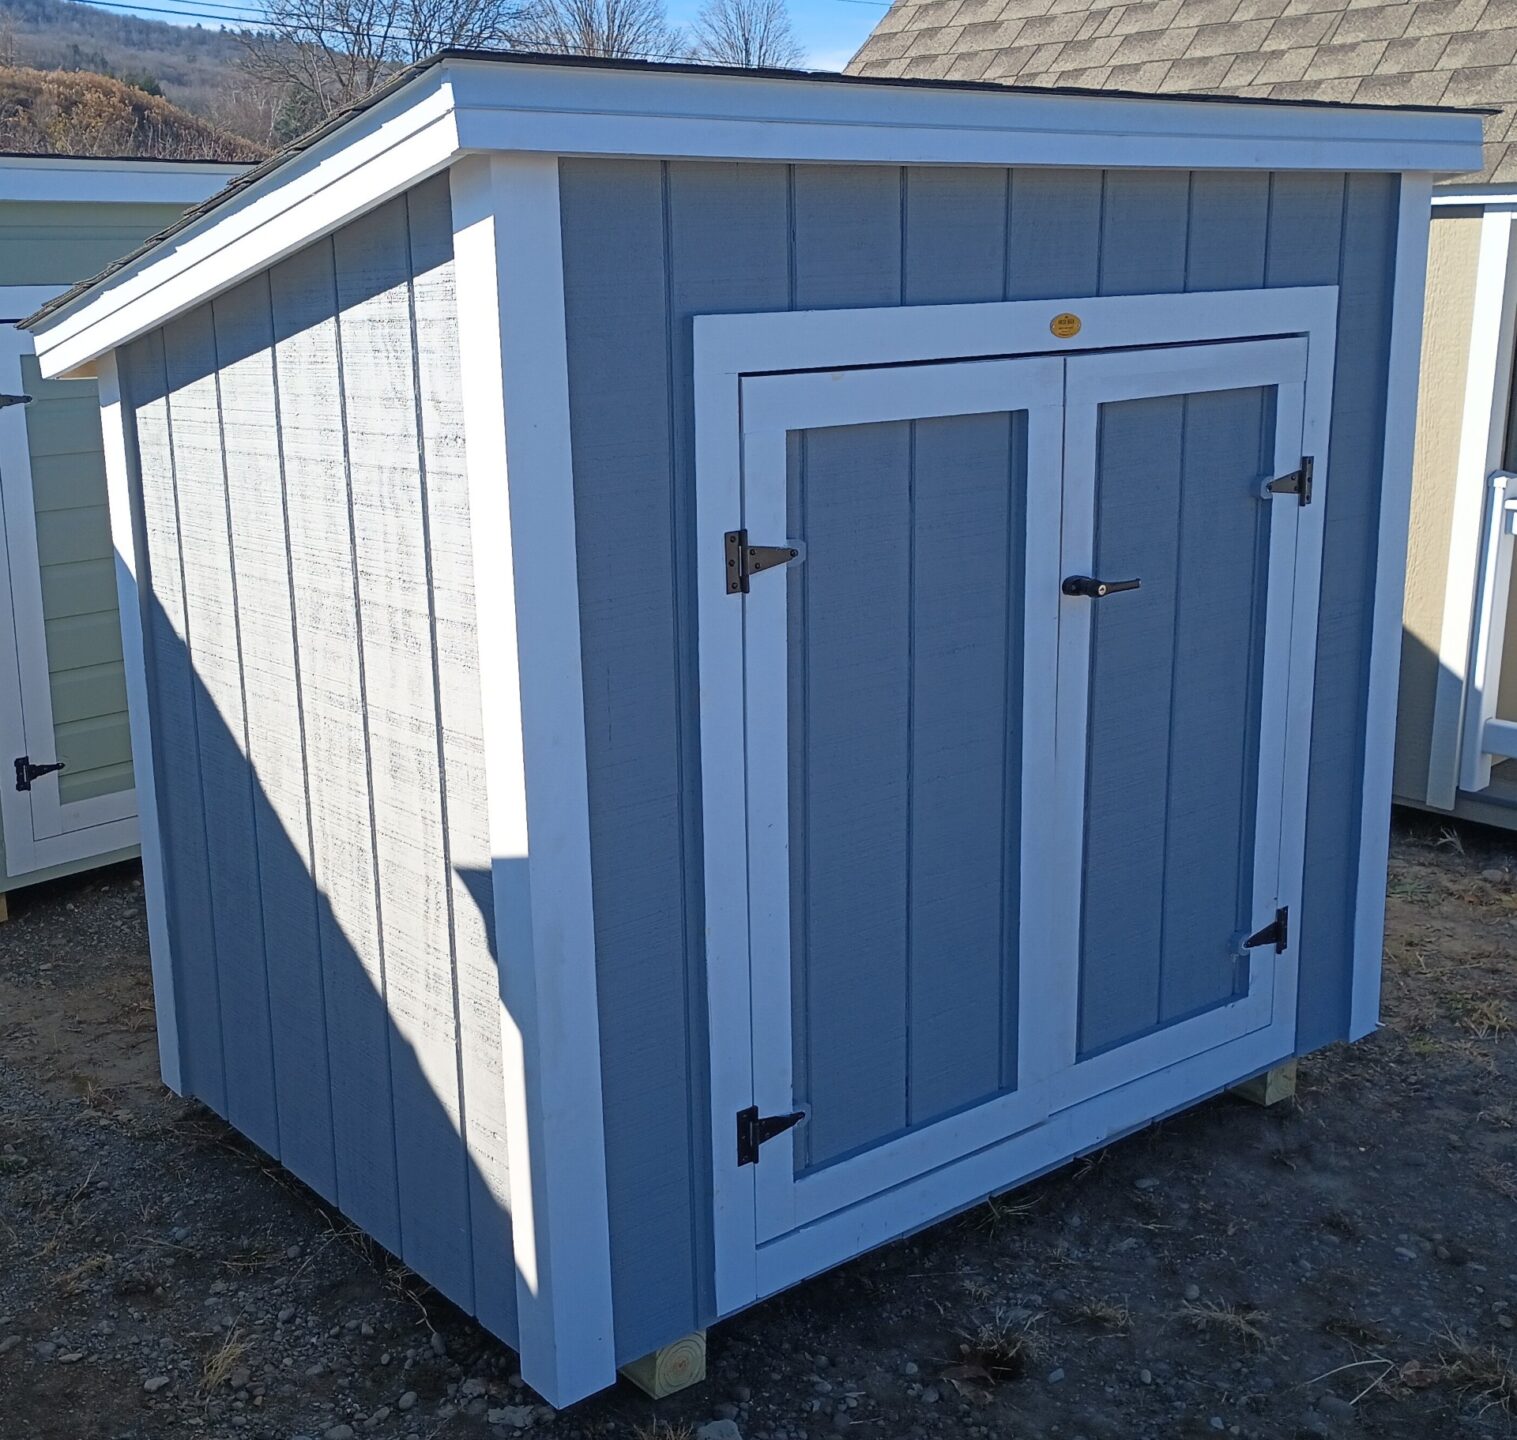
<point>829,30</point>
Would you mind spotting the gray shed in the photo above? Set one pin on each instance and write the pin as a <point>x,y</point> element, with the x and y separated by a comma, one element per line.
<point>616,930</point>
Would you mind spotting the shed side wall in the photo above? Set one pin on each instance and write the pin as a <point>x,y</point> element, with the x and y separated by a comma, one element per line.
<point>317,737</point>
<point>1452,262</point>
<point>649,245</point>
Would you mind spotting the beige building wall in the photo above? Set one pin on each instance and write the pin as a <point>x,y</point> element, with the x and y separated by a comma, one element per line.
<point>1453,256</point>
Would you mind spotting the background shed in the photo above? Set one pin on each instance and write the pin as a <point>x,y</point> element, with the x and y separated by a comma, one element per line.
<point>62,693</point>
<point>557,892</point>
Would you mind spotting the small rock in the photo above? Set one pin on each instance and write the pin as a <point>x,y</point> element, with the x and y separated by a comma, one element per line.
<point>1405,1253</point>
<point>727,1410</point>
<point>155,1384</point>
<point>472,1386</point>
<point>9,1343</point>
<point>910,1368</point>
<point>293,1253</point>
<point>1315,1423</point>
<point>1218,1423</point>
<point>179,1234</point>
<point>1147,1182</point>
<point>1493,877</point>
<point>1146,1376</point>
<point>1056,1375</point>
<point>1192,1291</point>
<point>73,1357</point>
<point>240,1378</point>
<point>719,1430</point>
<point>742,1394</point>
<point>1504,1320</point>
<point>338,1432</point>
<point>45,1349</point>
<point>439,1345</point>
<point>929,1395</point>
<point>406,1401</point>
<point>1335,1405</point>
<point>518,1417</point>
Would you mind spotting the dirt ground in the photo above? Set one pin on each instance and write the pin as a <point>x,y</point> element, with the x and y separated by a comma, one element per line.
<point>1345,1264</point>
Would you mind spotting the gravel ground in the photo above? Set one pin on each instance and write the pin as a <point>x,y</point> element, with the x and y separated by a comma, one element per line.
<point>1340,1265</point>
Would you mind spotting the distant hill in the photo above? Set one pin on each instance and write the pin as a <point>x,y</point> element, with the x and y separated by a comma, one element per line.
<point>191,66</point>
<point>64,112</point>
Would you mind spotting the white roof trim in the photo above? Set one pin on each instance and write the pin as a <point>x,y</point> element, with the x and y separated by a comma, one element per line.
<point>1475,195</point>
<point>130,182</point>
<point>462,105</point>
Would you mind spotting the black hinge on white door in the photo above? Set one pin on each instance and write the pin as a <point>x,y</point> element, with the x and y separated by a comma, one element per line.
<point>1297,483</point>
<point>26,772</point>
<point>754,1129</point>
<point>745,561</point>
<point>1276,933</point>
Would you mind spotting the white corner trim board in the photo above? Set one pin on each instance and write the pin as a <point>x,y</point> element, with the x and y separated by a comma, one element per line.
<point>1493,321</point>
<point>513,351</point>
<point>1407,297</point>
<point>458,105</point>
<point>120,470</point>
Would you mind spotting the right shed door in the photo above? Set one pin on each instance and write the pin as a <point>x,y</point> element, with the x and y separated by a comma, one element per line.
<point>1173,705</point>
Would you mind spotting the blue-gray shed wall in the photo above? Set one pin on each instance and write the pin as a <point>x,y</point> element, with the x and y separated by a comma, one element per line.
<point>649,245</point>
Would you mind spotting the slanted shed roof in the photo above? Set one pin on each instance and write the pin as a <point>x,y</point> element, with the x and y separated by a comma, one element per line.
<point>1414,52</point>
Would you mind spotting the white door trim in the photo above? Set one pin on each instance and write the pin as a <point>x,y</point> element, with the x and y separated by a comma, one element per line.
<point>40,828</point>
<point>727,347</point>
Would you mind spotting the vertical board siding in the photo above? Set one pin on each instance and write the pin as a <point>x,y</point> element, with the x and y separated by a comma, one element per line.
<point>482,1083</point>
<point>275,743</point>
<point>226,783</point>
<point>176,749</point>
<point>304,301</point>
<point>387,484</point>
<point>318,734</point>
<point>697,238</point>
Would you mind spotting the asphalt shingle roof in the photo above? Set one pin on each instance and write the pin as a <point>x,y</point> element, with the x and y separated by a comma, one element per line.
<point>1413,52</point>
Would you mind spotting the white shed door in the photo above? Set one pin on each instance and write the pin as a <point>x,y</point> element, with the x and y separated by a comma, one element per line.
<point>62,691</point>
<point>1008,827</point>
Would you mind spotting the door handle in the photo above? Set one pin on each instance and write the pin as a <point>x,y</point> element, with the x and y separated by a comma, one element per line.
<point>1094,589</point>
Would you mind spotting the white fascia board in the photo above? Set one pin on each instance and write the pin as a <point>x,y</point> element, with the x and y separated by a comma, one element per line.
<point>112,182</point>
<point>464,105</point>
<point>400,141</point>
<point>580,111</point>
<point>1498,195</point>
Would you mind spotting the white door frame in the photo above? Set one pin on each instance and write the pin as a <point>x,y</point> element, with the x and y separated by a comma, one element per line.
<point>1278,847</point>
<point>729,347</point>
<point>40,828</point>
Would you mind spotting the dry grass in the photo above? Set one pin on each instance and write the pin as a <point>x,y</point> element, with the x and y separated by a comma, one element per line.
<point>1242,1324</point>
<point>662,1430</point>
<point>1500,1116</point>
<point>1483,1375</point>
<point>76,1280</point>
<point>220,1363</point>
<point>1000,1350</point>
<point>1501,1178</point>
<point>1102,1313</point>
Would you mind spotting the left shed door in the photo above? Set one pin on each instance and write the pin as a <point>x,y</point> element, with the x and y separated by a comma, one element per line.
<point>62,688</point>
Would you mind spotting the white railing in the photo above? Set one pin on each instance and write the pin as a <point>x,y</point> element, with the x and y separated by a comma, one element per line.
<point>1486,738</point>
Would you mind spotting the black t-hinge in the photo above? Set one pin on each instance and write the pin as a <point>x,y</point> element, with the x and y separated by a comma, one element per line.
<point>26,772</point>
<point>1276,933</point>
<point>754,1129</point>
<point>1297,483</point>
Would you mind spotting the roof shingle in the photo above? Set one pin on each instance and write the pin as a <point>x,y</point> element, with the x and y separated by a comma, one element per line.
<point>1407,52</point>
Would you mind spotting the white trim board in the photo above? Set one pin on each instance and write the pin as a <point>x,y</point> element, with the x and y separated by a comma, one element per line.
<point>112,182</point>
<point>1493,329</point>
<point>513,353</point>
<point>121,489</point>
<point>461,105</point>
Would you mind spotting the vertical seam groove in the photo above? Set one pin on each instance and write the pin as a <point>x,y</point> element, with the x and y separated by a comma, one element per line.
<point>368,755</point>
<point>424,496</point>
<point>300,721</point>
<point>242,695</point>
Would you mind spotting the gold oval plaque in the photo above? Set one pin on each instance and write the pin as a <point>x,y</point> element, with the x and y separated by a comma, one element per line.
<point>1065,325</point>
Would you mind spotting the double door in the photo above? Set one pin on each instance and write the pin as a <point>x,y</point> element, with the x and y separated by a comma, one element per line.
<point>1014,749</point>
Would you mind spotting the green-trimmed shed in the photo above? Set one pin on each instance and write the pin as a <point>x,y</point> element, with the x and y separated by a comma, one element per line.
<point>62,697</point>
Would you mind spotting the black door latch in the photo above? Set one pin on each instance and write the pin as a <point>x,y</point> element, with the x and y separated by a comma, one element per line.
<point>1093,589</point>
<point>26,772</point>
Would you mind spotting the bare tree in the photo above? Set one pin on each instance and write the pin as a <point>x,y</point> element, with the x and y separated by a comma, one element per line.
<point>751,33</point>
<point>611,29</point>
<point>318,56</point>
